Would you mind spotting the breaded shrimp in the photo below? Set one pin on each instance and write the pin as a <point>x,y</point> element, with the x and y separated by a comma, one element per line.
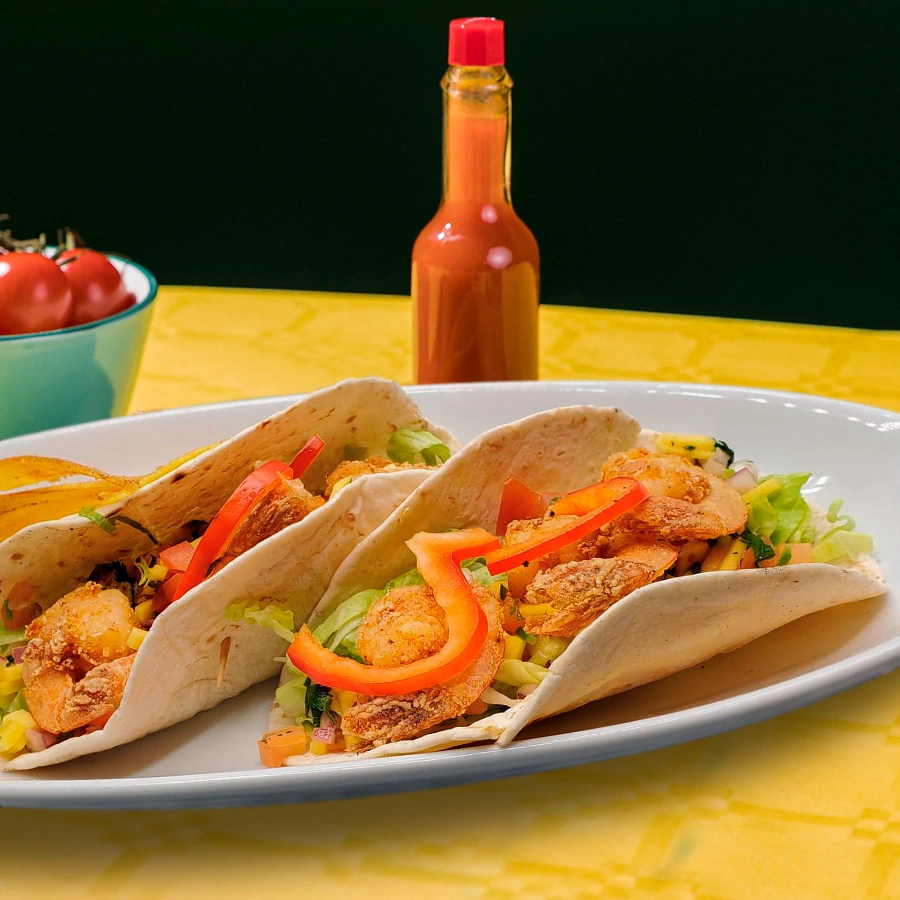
<point>285,504</point>
<point>77,659</point>
<point>581,591</point>
<point>657,554</point>
<point>522,530</point>
<point>404,625</point>
<point>685,503</point>
<point>356,468</point>
<point>381,720</point>
<point>664,475</point>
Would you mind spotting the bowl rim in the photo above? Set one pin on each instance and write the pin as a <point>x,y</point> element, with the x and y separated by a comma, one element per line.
<point>140,306</point>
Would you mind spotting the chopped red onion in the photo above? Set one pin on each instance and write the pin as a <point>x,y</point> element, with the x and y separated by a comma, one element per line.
<point>742,481</point>
<point>323,735</point>
<point>37,740</point>
<point>714,467</point>
<point>17,654</point>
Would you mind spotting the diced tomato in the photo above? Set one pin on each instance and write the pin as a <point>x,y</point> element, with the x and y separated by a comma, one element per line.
<point>168,592</point>
<point>518,502</point>
<point>801,553</point>
<point>748,560</point>
<point>177,558</point>
<point>276,746</point>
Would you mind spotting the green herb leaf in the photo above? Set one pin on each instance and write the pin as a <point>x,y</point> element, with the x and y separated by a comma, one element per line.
<point>528,638</point>
<point>761,550</point>
<point>721,445</point>
<point>318,701</point>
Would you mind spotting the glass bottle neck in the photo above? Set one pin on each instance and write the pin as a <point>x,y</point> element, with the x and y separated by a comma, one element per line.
<point>477,126</point>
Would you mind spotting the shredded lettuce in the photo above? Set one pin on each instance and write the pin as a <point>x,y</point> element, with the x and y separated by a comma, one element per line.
<point>850,545</point>
<point>280,620</point>
<point>291,696</point>
<point>406,580</point>
<point>546,648</point>
<point>8,638</point>
<point>339,631</point>
<point>515,673</point>
<point>841,542</point>
<point>406,444</point>
<point>780,512</point>
<point>90,513</point>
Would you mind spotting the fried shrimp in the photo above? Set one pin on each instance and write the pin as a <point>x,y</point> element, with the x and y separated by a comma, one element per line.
<point>685,503</point>
<point>356,468</point>
<point>77,659</point>
<point>287,503</point>
<point>403,626</point>
<point>522,530</point>
<point>664,475</point>
<point>382,720</point>
<point>657,554</point>
<point>579,592</point>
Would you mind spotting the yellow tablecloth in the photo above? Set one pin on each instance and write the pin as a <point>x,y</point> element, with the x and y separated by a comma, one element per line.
<point>803,806</point>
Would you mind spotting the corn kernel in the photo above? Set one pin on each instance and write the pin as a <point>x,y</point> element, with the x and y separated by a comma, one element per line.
<point>136,638</point>
<point>515,646</point>
<point>533,610</point>
<point>11,672</point>
<point>342,701</point>
<point>732,560</point>
<point>144,612</point>
<point>692,446</point>
<point>318,747</point>
<point>340,485</point>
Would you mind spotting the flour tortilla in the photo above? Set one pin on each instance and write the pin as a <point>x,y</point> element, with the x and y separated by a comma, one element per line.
<point>175,672</point>
<point>656,631</point>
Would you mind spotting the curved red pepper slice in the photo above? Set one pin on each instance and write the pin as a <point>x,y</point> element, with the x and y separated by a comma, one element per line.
<point>227,520</point>
<point>438,558</point>
<point>595,505</point>
<point>305,458</point>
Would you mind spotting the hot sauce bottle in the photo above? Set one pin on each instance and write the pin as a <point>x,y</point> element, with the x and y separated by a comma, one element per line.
<point>475,265</point>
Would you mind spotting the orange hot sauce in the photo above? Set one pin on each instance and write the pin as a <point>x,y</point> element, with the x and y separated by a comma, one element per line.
<point>475,265</point>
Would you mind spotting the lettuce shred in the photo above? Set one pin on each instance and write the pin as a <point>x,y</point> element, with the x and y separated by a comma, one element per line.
<point>280,620</point>
<point>406,444</point>
<point>841,542</point>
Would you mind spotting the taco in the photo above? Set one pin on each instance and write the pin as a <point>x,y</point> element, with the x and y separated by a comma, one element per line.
<point>626,556</point>
<point>113,621</point>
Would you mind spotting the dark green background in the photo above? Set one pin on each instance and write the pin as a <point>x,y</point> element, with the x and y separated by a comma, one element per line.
<point>734,158</point>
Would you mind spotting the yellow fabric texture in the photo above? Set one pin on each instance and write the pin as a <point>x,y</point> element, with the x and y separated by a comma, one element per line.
<point>803,806</point>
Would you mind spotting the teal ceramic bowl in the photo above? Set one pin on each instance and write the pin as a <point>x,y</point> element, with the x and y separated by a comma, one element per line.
<point>77,374</point>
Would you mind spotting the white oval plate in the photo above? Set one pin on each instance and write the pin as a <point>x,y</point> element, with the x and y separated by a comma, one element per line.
<point>212,761</point>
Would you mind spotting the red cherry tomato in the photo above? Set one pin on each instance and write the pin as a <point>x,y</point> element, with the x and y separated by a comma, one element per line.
<point>34,294</point>
<point>97,287</point>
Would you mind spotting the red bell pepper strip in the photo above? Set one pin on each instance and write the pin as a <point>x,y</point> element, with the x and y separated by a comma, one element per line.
<point>519,502</point>
<point>595,505</point>
<point>226,521</point>
<point>177,558</point>
<point>438,558</point>
<point>305,458</point>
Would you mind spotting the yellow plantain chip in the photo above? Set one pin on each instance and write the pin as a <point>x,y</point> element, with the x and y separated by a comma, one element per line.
<point>21,471</point>
<point>27,507</point>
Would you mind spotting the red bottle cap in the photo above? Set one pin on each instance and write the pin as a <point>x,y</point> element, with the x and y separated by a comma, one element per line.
<point>476,42</point>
